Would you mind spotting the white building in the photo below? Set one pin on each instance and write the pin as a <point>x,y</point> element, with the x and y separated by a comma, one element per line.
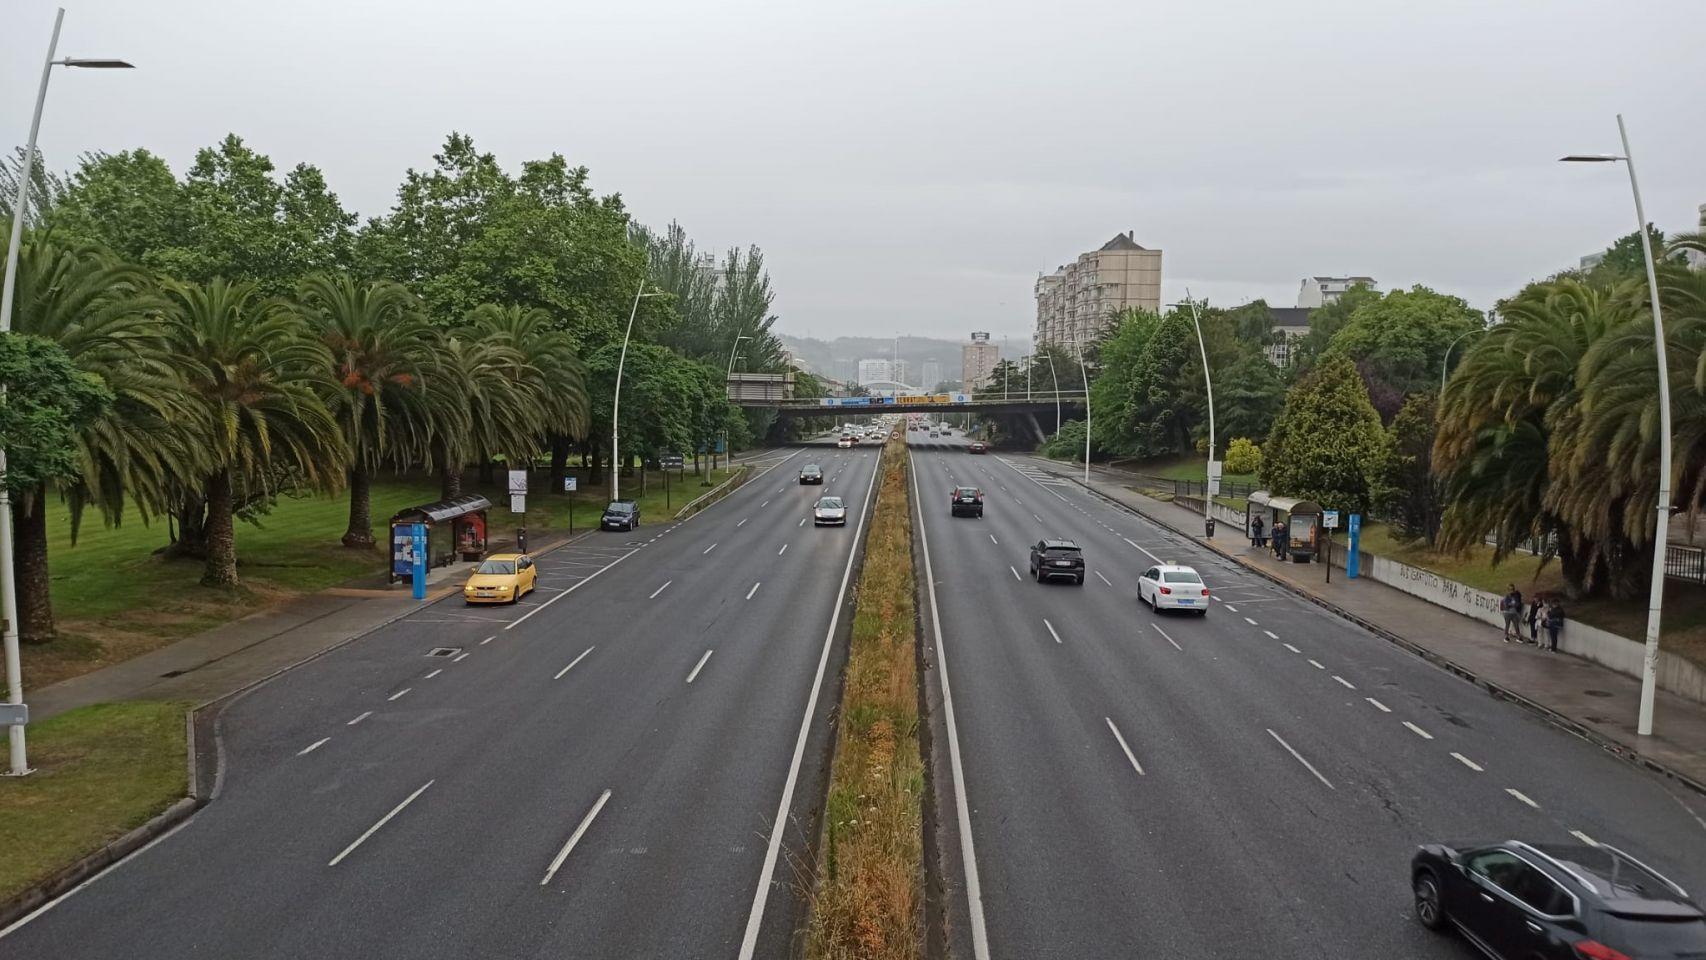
<point>1320,291</point>
<point>1696,259</point>
<point>930,374</point>
<point>978,358</point>
<point>874,371</point>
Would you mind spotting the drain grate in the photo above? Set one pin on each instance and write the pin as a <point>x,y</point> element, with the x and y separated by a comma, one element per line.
<point>1597,693</point>
<point>444,651</point>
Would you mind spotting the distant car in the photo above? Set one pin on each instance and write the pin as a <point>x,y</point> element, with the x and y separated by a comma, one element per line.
<point>1542,901</point>
<point>946,432</point>
<point>620,515</point>
<point>966,501</point>
<point>844,443</point>
<point>1057,558</point>
<point>501,578</point>
<point>935,434</point>
<point>829,511</point>
<point>977,446</point>
<point>1173,587</point>
<point>811,473</point>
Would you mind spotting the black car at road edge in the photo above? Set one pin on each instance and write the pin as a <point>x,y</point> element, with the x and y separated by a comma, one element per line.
<point>620,515</point>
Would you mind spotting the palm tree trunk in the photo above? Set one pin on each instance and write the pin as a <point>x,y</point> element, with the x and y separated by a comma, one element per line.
<point>594,469</point>
<point>559,461</point>
<point>450,481</point>
<point>221,567</point>
<point>488,472</point>
<point>192,527</point>
<point>359,536</point>
<point>35,604</point>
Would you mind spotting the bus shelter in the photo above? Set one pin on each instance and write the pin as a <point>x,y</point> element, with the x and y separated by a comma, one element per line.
<point>456,529</point>
<point>1295,524</point>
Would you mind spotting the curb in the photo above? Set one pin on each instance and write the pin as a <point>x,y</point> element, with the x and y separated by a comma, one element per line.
<point>1554,717</point>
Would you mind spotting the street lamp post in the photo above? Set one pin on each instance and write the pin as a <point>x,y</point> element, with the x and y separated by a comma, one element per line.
<point>616,401</point>
<point>726,378</point>
<point>1056,379</point>
<point>1445,364</point>
<point>1208,385</point>
<point>8,586</point>
<point>1084,373</point>
<point>1661,528</point>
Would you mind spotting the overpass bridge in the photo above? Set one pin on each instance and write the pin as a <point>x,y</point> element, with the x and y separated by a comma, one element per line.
<point>1020,415</point>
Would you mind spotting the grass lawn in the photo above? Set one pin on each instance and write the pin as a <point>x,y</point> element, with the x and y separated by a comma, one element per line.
<point>115,598</point>
<point>100,771</point>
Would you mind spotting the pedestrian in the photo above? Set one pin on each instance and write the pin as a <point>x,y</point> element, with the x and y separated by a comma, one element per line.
<point>1282,538</point>
<point>1554,622</point>
<point>1256,537</point>
<point>1534,610</point>
<point>1511,606</point>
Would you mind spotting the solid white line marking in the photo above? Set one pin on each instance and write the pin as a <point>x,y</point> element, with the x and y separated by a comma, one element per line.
<point>359,719</point>
<point>709,549</point>
<point>1467,762</point>
<point>461,657</point>
<point>661,589</point>
<point>575,837</point>
<point>433,674</point>
<point>398,694</point>
<point>1170,640</point>
<point>1271,635</point>
<point>1247,620</point>
<point>754,590</point>
<point>1291,648</point>
<point>783,550</point>
<point>382,822</point>
<point>572,663</point>
<point>1522,796</point>
<point>578,584</point>
<point>1346,683</point>
<point>755,917</point>
<point>1299,756</point>
<point>699,666</point>
<point>1418,731</point>
<point>1584,838</point>
<point>1146,552</point>
<point>1051,632</point>
<point>1383,708</point>
<point>993,540</point>
<point>1317,664</point>
<point>743,521</point>
<point>1015,572</point>
<point>313,746</point>
<point>56,901</point>
<point>1104,579</point>
<point>1128,754</point>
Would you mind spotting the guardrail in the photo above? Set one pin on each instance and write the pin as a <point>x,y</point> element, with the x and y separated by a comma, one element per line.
<point>716,493</point>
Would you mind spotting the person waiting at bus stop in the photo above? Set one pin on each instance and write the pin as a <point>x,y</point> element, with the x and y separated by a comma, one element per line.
<point>1258,535</point>
<point>1282,540</point>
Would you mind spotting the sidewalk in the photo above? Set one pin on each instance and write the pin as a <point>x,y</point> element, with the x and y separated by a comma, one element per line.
<point>1589,699</point>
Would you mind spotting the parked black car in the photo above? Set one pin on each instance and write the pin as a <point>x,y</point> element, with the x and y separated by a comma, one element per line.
<point>620,515</point>
<point>1521,901</point>
<point>1057,558</point>
<point>811,473</point>
<point>966,501</point>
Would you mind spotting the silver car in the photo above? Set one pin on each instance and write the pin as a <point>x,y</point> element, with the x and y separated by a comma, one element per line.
<point>829,510</point>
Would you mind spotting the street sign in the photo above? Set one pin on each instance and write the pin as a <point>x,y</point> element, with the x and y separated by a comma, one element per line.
<point>569,484</point>
<point>672,461</point>
<point>1330,519</point>
<point>1353,559</point>
<point>14,714</point>
<point>518,503</point>
<point>417,560</point>
<point>517,482</point>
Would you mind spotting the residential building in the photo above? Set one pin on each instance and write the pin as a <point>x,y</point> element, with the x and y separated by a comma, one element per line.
<point>875,371</point>
<point>898,369</point>
<point>1289,325</point>
<point>929,374</point>
<point>1078,300</point>
<point>978,357</point>
<point>1696,259</point>
<point>1593,260</point>
<point>1320,291</point>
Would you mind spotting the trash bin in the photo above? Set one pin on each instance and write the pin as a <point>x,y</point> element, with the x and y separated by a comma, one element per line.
<point>1208,524</point>
<point>520,539</point>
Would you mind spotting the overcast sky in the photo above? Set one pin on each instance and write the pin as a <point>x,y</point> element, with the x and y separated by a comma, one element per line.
<point>911,166</point>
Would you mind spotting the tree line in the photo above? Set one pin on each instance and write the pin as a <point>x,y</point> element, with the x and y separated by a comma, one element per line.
<point>192,348</point>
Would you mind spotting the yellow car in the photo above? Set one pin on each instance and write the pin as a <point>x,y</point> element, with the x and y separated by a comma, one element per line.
<point>501,578</point>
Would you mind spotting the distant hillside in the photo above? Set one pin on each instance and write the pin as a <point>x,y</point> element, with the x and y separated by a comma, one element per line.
<point>839,358</point>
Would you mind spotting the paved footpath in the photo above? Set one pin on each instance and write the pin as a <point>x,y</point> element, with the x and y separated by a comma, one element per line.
<point>1598,702</point>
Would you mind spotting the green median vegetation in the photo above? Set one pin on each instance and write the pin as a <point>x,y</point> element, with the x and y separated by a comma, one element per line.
<point>868,892</point>
<point>101,772</point>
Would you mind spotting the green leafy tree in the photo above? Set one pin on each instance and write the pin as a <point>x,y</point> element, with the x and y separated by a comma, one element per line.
<point>1325,322</point>
<point>47,189</point>
<point>1406,492</point>
<point>1161,418</point>
<point>1067,443</point>
<point>1248,395</point>
<point>129,203</point>
<point>1625,259</point>
<point>1243,456</point>
<point>1326,440</point>
<point>1113,393</point>
<point>1398,342</point>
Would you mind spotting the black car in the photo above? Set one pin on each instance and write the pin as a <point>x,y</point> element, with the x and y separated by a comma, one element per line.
<point>1057,558</point>
<point>1520,901</point>
<point>811,473</point>
<point>620,515</point>
<point>966,501</point>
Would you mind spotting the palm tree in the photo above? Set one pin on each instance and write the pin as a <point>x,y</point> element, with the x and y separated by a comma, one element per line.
<point>98,311</point>
<point>377,342</point>
<point>548,375</point>
<point>251,367</point>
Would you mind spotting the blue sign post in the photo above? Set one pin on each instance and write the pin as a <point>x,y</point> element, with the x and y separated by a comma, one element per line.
<point>418,534</point>
<point>1352,558</point>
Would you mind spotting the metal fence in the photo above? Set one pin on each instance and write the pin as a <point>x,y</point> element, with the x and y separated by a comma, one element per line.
<point>1198,488</point>
<point>1685,563</point>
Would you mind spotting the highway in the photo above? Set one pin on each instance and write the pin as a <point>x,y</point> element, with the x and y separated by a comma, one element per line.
<point>1248,783</point>
<point>594,772</point>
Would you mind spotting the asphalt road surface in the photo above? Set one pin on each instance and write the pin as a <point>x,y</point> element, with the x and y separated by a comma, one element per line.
<point>595,772</point>
<point>1250,783</point>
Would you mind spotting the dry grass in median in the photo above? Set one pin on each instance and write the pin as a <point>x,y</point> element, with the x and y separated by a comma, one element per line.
<point>869,886</point>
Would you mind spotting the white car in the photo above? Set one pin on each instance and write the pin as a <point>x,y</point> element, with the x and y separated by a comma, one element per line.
<point>829,510</point>
<point>1173,587</point>
<point>844,442</point>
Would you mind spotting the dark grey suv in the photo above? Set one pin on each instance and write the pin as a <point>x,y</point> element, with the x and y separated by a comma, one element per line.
<point>1543,901</point>
<point>620,515</point>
